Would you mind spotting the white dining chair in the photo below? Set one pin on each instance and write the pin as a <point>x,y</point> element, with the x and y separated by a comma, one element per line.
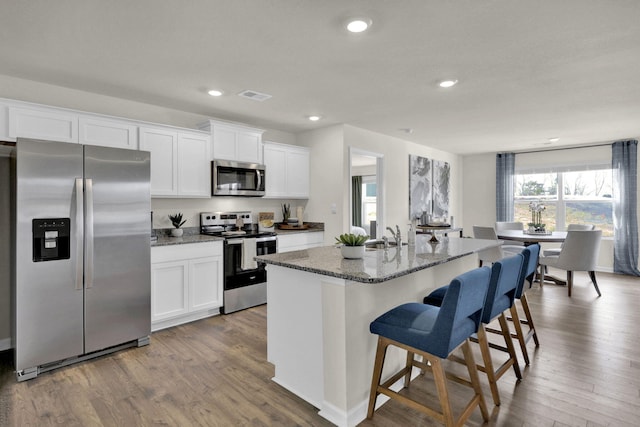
<point>492,255</point>
<point>510,225</point>
<point>570,227</point>
<point>579,253</point>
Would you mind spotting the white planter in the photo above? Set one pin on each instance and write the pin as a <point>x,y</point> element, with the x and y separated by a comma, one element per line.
<point>352,252</point>
<point>177,232</point>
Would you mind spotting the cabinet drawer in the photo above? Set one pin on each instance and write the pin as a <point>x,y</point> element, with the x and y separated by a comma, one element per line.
<point>185,252</point>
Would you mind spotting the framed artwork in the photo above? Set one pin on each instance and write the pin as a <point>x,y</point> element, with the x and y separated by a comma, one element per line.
<point>428,187</point>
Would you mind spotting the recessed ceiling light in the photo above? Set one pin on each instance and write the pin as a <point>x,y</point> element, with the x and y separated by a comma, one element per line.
<point>447,83</point>
<point>314,118</point>
<point>215,92</point>
<point>554,139</point>
<point>358,25</point>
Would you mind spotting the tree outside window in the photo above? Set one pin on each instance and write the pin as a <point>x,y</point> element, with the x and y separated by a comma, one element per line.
<point>585,198</point>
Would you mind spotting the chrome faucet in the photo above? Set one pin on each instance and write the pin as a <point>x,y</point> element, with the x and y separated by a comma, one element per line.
<point>396,235</point>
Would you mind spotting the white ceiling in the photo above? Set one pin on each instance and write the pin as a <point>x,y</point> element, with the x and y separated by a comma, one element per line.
<point>528,70</point>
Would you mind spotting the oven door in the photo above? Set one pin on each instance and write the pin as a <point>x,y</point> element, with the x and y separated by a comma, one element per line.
<point>234,275</point>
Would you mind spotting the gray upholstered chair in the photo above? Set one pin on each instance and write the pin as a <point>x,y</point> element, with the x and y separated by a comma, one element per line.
<point>571,227</point>
<point>579,253</point>
<point>507,225</point>
<point>492,255</point>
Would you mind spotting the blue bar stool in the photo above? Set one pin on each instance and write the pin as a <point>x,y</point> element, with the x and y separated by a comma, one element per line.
<point>505,277</point>
<point>530,254</point>
<point>434,333</point>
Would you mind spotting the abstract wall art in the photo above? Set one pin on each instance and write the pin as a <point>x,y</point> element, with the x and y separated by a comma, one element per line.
<point>428,188</point>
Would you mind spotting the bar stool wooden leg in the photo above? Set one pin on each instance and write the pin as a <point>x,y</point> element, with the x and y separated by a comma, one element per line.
<point>440,379</point>
<point>377,374</point>
<point>488,365</point>
<point>475,383</point>
<point>527,313</point>
<point>519,333</point>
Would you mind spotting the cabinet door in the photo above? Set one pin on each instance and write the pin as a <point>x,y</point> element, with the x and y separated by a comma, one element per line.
<point>169,289</point>
<point>224,143</point>
<point>43,124</point>
<point>194,166</point>
<point>163,146</point>
<point>275,162</point>
<point>108,133</point>
<point>249,147</point>
<point>205,283</point>
<point>297,184</point>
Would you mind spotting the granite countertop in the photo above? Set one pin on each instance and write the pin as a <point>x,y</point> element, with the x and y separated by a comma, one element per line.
<point>191,235</point>
<point>378,265</point>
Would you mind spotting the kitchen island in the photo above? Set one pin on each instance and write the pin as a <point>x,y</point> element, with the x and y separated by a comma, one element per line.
<point>319,307</point>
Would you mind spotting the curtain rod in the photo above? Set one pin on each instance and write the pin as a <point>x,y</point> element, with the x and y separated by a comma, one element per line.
<point>566,148</point>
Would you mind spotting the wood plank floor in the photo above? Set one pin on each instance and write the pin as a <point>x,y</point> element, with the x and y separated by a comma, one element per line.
<point>214,373</point>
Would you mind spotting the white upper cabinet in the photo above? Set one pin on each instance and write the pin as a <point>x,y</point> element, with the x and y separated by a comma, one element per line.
<point>180,165</point>
<point>43,123</point>
<point>163,146</point>
<point>107,133</point>
<point>287,171</point>
<point>194,166</point>
<point>235,142</point>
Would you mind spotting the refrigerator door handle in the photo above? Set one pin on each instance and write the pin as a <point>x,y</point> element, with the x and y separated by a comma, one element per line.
<point>88,260</point>
<point>79,232</point>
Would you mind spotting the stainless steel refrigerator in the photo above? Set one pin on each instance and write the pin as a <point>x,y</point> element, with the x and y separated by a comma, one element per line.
<point>81,277</point>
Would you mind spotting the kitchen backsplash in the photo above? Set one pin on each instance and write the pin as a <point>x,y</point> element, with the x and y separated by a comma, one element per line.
<point>191,208</point>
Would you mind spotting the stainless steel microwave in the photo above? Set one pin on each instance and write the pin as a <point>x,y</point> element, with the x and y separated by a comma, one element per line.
<point>230,178</point>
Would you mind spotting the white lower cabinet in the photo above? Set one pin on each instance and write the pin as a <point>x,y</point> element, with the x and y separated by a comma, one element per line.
<point>186,283</point>
<point>299,241</point>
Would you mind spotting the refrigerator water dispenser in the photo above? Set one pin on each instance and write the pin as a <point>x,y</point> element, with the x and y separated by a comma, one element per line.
<point>51,239</point>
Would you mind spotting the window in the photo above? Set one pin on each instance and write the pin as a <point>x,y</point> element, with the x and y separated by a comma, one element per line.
<point>585,198</point>
<point>369,201</point>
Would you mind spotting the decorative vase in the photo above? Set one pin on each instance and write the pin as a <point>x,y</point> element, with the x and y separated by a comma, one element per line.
<point>177,232</point>
<point>352,252</point>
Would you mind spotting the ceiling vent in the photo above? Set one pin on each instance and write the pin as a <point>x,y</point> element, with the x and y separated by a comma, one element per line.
<point>256,96</point>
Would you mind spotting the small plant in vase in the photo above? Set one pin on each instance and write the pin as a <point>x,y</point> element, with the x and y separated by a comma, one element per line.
<point>177,222</point>
<point>536,224</point>
<point>352,245</point>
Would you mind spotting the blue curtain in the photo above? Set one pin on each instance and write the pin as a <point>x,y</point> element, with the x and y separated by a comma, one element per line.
<point>505,171</point>
<point>625,218</point>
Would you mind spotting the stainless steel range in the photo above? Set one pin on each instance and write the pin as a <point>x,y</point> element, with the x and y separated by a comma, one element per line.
<point>245,282</point>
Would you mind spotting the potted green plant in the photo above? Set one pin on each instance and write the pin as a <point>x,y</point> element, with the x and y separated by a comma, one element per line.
<point>352,245</point>
<point>177,222</point>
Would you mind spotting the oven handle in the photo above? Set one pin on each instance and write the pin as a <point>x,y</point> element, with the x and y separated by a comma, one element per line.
<point>238,241</point>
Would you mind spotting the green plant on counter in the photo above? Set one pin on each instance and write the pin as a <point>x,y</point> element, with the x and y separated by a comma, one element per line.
<point>176,220</point>
<point>349,239</point>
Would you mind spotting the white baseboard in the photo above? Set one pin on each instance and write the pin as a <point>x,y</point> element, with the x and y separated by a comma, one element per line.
<point>163,324</point>
<point>5,344</point>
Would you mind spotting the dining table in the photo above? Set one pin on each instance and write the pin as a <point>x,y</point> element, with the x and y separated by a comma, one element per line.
<point>531,238</point>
